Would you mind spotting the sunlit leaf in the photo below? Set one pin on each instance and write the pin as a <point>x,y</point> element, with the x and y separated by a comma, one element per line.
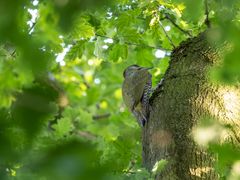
<point>118,51</point>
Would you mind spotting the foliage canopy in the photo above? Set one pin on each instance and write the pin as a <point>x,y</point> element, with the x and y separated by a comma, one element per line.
<point>61,64</point>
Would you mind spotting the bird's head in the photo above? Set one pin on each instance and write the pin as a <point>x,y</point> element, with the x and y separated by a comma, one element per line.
<point>130,70</point>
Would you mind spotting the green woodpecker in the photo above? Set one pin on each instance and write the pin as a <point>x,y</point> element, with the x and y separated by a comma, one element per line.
<point>136,91</point>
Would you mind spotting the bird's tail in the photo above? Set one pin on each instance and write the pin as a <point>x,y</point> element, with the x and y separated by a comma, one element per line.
<point>141,117</point>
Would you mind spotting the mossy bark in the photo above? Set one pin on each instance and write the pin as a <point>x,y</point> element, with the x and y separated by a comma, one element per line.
<point>177,106</point>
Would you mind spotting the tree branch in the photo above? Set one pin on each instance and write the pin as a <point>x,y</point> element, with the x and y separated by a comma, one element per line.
<point>86,135</point>
<point>169,39</point>
<point>177,26</point>
<point>102,116</point>
<point>207,22</point>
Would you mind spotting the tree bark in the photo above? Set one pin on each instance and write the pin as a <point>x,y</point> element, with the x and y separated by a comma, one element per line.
<point>177,106</point>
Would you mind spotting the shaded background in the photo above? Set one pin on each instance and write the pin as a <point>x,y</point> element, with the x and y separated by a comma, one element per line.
<point>61,65</point>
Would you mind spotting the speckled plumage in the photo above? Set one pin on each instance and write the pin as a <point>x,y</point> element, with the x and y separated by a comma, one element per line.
<point>136,90</point>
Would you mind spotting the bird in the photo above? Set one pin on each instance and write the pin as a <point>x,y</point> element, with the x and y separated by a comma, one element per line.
<point>136,90</point>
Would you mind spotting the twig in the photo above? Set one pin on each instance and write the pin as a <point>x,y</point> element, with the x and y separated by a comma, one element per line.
<point>177,26</point>
<point>86,135</point>
<point>31,28</point>
<point>85,82</point>
<point>13,53</point>
<point>102,116</point>
<point>135,44</point>
<point>207,22</point>
<point>169,39</point>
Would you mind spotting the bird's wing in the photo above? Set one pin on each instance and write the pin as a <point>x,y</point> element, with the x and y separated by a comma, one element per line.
<point>134,87</point>
<point>127,94</point>
<point>141,79</point>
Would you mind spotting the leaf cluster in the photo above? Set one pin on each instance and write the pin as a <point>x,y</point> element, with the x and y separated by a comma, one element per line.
<point>61,64</point>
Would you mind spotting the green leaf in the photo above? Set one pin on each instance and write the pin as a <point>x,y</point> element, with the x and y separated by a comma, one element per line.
<point>229,72</point>
<point>83,30</point>
<point>76,50</point>
<point>194,9</point>
<point>124,21</point>
<point>118,51</point>
<point>63,127</point>
<point>227,156</point>
<point>130,35</point>
<point>85,118</point>
<point>145,57</point>
<point>93,95</point>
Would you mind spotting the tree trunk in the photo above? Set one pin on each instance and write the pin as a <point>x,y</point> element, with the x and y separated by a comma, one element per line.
<point>186,96</point>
